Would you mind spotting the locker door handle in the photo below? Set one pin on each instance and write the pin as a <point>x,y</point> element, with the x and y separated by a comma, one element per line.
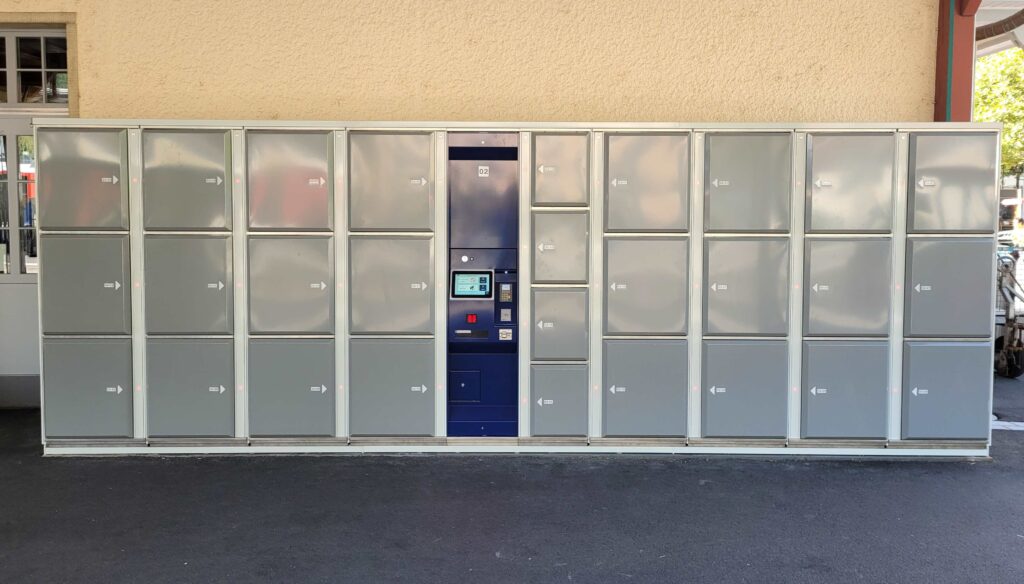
<point>822,183</point>
<point>927,182</point>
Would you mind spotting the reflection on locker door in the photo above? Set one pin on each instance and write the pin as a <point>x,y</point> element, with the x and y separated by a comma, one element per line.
<point>189,388</point>
<point>561,169</point>
<point>952,183</point>
<point>185,181</point>
<point>845,389</point>
<point>189,286</point>
<point>82,179</point>
<point>290,180</point>
<point>392,285</point>
<point>391,182</point>
<point>850,182</point>
<point>948,291</point>
<point>84,283</point>
<point>559,394</point>
<point>560,324</point>
<point>946,390</point>
<point>647,182</point>
<point>745,286</point>
<point>560,246</point>
<point>291,285</point>
<point>392,387</point>
<point>747,182</point>
<point>744,389</point>
<point>847,286</point>
<point>645,387</point>
<point>87,389</point>
<point>645,286</point>
<point>291,387</point>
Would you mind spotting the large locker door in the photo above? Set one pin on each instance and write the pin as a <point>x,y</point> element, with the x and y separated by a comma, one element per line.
<point>189,285</point>
<point>560,324</point>
<point>189,387</point>
<point>392,387</point>
<point>744,389</point>
<point>291,387</point>
<point>185,181</point>
<point>747,182</point>
<point>290,180</point>
<point>560,247</point>
<point>561,169</point>
<point>291,285</point>
<point>646,286</point>
<point>645,383</point>
<point>647,182</point>
<point>82,179</point>
<point>948,289</point>
<point>847,287</point>
<point>85,284</point>
<point>391,285</point>
<point>87,391</point>
<point>559,394</point>
<point>845,389</point>
<point>850,182</point>
<point>946,390</point>
<point>746,282</point>
<point>391,182</point>
<point>952,183</point>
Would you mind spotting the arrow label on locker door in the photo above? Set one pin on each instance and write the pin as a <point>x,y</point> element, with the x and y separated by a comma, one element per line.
<point>616,389</point>
<point>926,182</point>
<point>715,287</point>
<point>822,183</point>
<point>419,388</point>
<point>314,182</point>
<point>819,390</point>
<point>214,181</point>
<point>619,182</point>
<point>115,285</point>
<point>421,181</point>
<point>922,288</point>
<point>318,388</point>
<point>215,285</point>
<point>321,285</point>
<point>110,179</point>
<point>216,389</point>
<point>418,285</point>
<point>719,183</point>
<point>543,247</point>
<point>916,391</point>
<point>117,389</point>
<point>545,325</point>
<point>820,287</point>
<point>545,402</point>
<point>616,286</point>
<point>715,390</point>
<point>543,169</point>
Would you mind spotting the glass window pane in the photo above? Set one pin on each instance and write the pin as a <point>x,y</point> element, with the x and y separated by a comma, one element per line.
<point>4,259</point>
<point>3,83</point>
<point>30,86</point>
<point>29,252</point>
<point>30,53</point>
<point>26,205</point>
<point>56,87</point>
<point>3,163</point>
<point>26,158</point>
<point>56,53</point>
<point>3,52</point>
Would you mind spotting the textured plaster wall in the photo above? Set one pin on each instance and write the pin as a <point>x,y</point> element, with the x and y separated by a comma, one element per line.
<point>598,60</point>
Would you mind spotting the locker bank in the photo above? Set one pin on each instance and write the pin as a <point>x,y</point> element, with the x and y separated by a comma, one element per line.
<point>231,287</point>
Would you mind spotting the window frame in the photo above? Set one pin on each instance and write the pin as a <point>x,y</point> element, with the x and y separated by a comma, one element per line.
<point>9,36</point>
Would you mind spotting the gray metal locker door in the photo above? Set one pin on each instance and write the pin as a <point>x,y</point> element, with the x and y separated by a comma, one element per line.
<point>83,179</point>
<point>847,286</point>
<point>949,288</point>
<point>560,247</point>
<point>850,182</point>
<point>84,284</point>
<point>391,182</point>
<point>747,182</point>
<point>744,389</point>
<point>645,387</point>
<point>291,387</point>
<point>87,391</point>
<point>845,389</point>
<point>290,180</point>
<point>645,286</point>
<point>647,182</point>
<point>392,387</point>
<point>559,396</point>
<point>189,389</point>
<point>946,390</point>
<point>745,286</point>
<point>560,324</point>
<point>291,285</point>
<point>953,182</point>
<point>189,285</point>
<point>186,183</point>
<point>561,174</point>
<point>391,285</point>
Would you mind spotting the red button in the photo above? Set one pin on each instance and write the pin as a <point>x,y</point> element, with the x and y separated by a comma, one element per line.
<point>471,318</point>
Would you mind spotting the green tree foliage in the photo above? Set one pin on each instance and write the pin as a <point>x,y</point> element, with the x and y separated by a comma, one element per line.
<point>999,97</point>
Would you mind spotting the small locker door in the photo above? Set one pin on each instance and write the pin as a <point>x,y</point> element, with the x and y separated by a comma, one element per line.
<point>290,180</point>
<point>392,285</point>
<point>949,288</point>
<point>645,286</point>
<point>561,169</point>
<point>946,390</point>
<point>87,388</point>
<point>85,285</point>
<point>845,389</point>
<point>291,285</point>
<point>189,286</point>
<point>392,387</point>
<point>560,324</point>
<point>847,287</point>
<point>82,179</point>
<point>645,387</point>
<point>744,389</point>
<point>291,387</point>
<point>391,182</point>
<point>953,182</point>
<point>186,184</point>
<point>850,182</point>
<point>189,388</point>
<point>560,247</point>
<point>747,182</point>
<point>745,286</point>
<point>648,182</point>
<point>559,396</point>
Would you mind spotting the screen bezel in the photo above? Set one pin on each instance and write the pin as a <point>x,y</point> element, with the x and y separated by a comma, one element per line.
<point>451,287</point>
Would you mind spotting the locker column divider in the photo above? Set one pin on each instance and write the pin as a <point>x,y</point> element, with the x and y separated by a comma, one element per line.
<point>136,254</point>
<point>596,286</point>
<point>899,260</point>
<point>341,336</point>
<point>695,322</point>
<point>995,246</point>
<point>525,279</point>
<point>440,187</point>
<point>39,312</point>
<point>796,292</point>
<point>240,270</point>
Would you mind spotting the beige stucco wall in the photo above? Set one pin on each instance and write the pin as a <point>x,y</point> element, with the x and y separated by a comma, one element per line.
<point>599,60</point>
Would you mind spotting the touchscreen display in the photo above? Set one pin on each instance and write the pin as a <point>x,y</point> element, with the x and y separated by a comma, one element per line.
<point>471,285</point>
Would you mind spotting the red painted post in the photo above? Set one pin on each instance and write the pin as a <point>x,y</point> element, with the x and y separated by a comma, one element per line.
<point>954,63</point>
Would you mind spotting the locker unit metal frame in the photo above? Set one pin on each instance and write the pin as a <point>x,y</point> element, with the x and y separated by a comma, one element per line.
<point>598,132</point>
